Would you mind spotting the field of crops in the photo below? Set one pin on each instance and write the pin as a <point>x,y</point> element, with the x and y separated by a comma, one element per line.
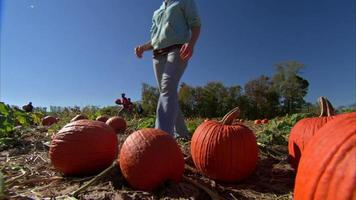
<point>26,171</point>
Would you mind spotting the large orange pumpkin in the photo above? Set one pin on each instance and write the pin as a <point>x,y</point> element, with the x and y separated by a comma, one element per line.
<point>149,157</point>
<point>327,169</point>
<point>304,129</point>
<point>83,147</point>
<point>117,123</point>
<point>223,151</point>
<point>49,120</point>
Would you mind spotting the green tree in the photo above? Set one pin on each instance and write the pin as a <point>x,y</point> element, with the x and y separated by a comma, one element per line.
<point>291,87</point>
<point>149,97</point>
<point>187,99</point>
<point>232,99</point>
<point>263,100</point>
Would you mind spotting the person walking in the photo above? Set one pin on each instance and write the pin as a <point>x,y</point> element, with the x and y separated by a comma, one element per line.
<point>174,32</point>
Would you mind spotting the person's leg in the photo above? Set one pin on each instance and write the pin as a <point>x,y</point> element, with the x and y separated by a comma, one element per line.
<point>158,68</point>
<point>180,129</point>
<point>167,108</point>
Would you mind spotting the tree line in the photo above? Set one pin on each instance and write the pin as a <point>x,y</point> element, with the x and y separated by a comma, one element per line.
<point>263,97</point>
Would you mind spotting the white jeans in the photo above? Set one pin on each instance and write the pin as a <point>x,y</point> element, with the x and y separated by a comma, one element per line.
<point>168,71</point>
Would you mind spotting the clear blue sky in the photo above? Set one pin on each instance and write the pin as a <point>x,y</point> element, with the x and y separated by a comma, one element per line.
<point>80,52</point>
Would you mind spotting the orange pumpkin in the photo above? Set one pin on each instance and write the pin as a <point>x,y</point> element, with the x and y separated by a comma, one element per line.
<point>304,129</point>
<point>83,147</point>
<point>102,118</point>
<point>117,123</point>
<point>327,167</point>
<point>223,151</point>
<point>149,157</point>
<point>79,117</point>
<point>49,120</point>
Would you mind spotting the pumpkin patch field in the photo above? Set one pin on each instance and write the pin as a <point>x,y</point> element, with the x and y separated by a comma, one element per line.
<point>105,156</point>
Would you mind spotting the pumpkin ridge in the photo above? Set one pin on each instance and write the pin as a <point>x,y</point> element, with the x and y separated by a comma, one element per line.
<point>193,145</point>
<point>206,147</point>
<point>241,153</point>
<point>235,151</point>
<point>230,150</point>
<point>219,148</point>
<point>330,159</point>
<point>345,151</point>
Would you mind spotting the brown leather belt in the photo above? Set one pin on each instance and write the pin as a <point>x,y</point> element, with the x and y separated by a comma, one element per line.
<point>165,51</point>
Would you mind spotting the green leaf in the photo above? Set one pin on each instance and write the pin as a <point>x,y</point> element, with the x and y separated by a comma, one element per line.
<point>4,110</point>
<point>146,123</point>
<point>37,117</point>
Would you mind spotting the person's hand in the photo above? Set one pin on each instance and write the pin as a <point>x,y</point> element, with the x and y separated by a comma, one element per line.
<point>186,52</point>
<point>139,51</point>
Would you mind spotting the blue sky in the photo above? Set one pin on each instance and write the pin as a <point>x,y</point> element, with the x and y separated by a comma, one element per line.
<point>80,52</point>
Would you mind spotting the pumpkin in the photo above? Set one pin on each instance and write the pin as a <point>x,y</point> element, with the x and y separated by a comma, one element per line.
<point>79,117</point>
<point>258,121</point>
<point>264,121</point>
<point>83,147</point>
<point>304,129</point>
<point>223,151</point>
<point>102,118</point>
<point>149,157</point>
<point>49,120</point>
<point>327,166</point>
<point>117,123</point>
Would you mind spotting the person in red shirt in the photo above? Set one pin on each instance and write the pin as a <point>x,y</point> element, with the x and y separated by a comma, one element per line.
<point>124,102</point>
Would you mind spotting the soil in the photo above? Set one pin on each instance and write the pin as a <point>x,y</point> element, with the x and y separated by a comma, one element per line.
<point>29,175</point>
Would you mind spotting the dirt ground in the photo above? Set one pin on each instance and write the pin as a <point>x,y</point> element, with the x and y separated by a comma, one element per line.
<point>29,175</point>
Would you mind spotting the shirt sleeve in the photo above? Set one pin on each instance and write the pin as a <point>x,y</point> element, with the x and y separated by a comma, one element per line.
<point>191,13</point>
<point>153,26</point>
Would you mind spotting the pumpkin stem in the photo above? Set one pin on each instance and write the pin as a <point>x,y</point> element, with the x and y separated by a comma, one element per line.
<point>230,116</point>
<point>326,108</point>
<point>330,108</point>
<point>95,179</point>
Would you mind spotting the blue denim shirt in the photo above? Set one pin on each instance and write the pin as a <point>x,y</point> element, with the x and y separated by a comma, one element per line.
<point>171,23</point>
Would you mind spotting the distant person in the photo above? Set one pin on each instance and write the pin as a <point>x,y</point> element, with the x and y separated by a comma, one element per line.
<point>174,32</point>
<point>130,105</point>
<point>28,107</point>
<point>124,102</point>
